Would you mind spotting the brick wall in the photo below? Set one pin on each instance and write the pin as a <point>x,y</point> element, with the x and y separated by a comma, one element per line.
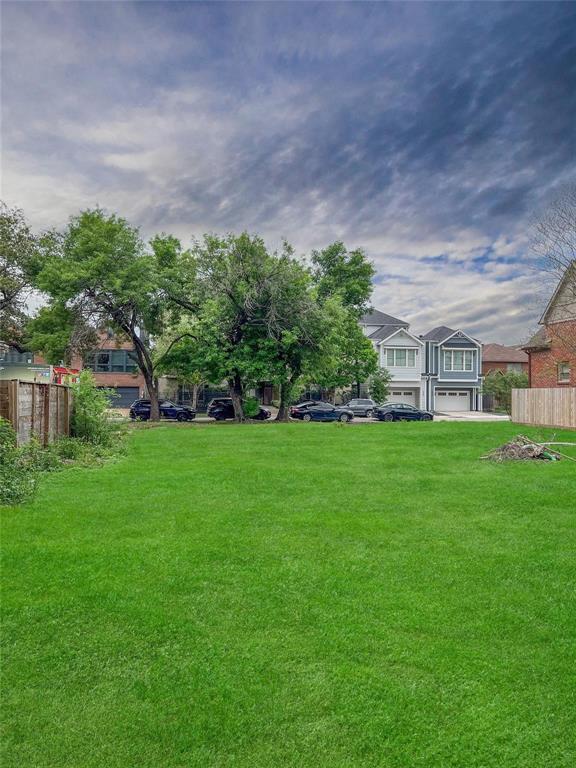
<point>544,363</point>
<point>487,367</point>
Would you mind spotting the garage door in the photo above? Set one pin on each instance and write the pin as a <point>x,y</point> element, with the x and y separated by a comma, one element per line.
<point>125,396</point>
<point>452,401</point>
<point>403,396</point>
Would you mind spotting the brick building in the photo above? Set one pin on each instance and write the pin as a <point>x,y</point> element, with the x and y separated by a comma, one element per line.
<point>552,350</point>
<point>114,366</point>
<point>497,357</point>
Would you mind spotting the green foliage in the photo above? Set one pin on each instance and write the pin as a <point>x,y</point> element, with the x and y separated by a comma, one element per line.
<point>89,411</point>
<point>501,383</point>
<point>380,385</point>
<point>346,274</point>
<point>18,468</point>
<point>251,407</point>
<point>347,354</point>
<point>18,251</point>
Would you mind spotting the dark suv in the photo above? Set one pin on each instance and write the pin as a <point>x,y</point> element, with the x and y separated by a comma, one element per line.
<point>140,409</point>
<point>221,408</point>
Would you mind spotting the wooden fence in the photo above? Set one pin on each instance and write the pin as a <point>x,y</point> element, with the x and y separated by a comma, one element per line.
<point>554,407</point>
<point>40,410</point>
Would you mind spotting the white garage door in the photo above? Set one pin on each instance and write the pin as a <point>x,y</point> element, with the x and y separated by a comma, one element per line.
<point>452,401</point>
<point>402,396</point>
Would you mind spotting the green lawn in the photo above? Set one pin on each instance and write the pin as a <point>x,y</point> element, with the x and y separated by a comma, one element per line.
<point>294,595</point>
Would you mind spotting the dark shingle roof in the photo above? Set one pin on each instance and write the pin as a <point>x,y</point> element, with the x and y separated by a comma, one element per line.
<point>381,318</point>
<point>438,334</point>
<point>499,353</point>
<point>538,341</point>
<point>384,331</point>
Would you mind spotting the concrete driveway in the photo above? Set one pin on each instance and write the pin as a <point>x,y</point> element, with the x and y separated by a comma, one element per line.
<point>471,416</point>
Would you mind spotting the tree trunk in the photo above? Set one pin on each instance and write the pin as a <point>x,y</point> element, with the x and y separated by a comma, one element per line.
<point>285,400</point>
<point>152,387</point>
<point>195,388</point>
<point>236,392</point>
<point>357,389</point>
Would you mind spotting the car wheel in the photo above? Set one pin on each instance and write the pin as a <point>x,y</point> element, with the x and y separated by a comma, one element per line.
<point>306,417</point>
<point>369,414</point>
<point>344,418</point>
<point>388,417</point>
<point>427,418</point>
<point>181,417</point>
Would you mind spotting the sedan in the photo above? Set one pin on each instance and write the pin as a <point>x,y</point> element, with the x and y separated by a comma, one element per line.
<point>222,408</point>
<point>298,410</point>
<point>140,409</point>
<point>401,412</point>
<point>362,407</point>
<point>325,412</point>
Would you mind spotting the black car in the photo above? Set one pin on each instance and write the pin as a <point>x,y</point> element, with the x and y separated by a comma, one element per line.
<point>322,412</point>
<point>401,412</point>
<point>140,409</point>
<point>362,407</point>
<point>221,408</point>
<point>299,409</point>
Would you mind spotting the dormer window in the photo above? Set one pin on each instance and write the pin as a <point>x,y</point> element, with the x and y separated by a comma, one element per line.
<point>458,360</point>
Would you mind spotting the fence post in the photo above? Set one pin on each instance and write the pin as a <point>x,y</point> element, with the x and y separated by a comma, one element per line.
<point>46,427</point>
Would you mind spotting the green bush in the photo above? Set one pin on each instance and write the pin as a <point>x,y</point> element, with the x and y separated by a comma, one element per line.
<point>90,420</point>
<point>18,470</point>
<point>251,407</point>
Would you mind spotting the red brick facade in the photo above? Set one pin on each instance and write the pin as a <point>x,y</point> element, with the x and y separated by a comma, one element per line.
<point>498,366</point>
<point>558,346</point>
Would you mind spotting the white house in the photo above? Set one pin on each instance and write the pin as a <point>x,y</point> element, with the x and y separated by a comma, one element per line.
<point>401,352</point>
<point>440,371</point>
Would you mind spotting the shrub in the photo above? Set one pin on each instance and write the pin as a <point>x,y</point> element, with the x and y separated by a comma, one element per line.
<point>501,383</point>
<point>90,420</point>
<point>18,471</point>
<point>251,407</point>
<point>380,385</point>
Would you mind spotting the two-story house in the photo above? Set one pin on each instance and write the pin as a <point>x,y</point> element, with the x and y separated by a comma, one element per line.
<point>452,371</point>
<point>439,371</point>
<point>114,365</point>
<point>401,352</point>
<point>552,350</point>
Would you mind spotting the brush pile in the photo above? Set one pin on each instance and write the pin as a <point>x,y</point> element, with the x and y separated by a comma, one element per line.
<point>521,448</point>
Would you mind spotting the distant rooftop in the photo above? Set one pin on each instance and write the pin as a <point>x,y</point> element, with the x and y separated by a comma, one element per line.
<point>381,318</point>
<point>499,353</point>
<point>438,334</point>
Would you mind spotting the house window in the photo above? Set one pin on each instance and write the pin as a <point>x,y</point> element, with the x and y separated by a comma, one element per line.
<point>563,373</point>
<point>111,361</point>
<point>400,358</point>
<point>514,367</point>
<point>458,360</point>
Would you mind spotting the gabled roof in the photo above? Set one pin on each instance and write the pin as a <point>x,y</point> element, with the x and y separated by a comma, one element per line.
<point>381,318</point>
<point>499,353</point>
<point>386,330</point>
<point>540,340</point>
<point>570,273</point>
<point>438,334</point>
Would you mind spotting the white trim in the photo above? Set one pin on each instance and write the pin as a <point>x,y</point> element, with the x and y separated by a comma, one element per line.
<point>402,330</point>
<point>476,343</point>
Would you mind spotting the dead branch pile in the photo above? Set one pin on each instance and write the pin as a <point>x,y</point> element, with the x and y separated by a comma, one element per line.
<point>521,448</point>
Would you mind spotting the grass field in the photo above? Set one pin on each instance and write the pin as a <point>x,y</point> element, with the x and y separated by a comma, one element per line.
<point>294,595</point>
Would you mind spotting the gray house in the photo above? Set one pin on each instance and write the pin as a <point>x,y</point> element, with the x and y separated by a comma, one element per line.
<point>452,370</point>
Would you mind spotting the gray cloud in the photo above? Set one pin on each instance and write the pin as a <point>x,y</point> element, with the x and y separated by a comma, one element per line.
<point>426,133</point>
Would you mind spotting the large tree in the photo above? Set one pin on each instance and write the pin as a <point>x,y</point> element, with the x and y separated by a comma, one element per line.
<point>346,274</point>
<point>99,273</point>
<point>18,252</point>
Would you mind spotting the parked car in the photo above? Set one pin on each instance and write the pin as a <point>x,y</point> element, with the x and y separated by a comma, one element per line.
<point>362,407</point>
<point>299,409</point>
<point>221,408</point>
<point>401,412</point>
<point>140,409</point>
<point>324,412</point>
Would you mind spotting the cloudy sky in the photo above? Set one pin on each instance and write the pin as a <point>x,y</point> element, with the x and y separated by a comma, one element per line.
<point>427,134</point>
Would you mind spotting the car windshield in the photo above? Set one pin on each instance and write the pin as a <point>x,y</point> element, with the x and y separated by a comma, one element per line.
<point>360,402</point>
